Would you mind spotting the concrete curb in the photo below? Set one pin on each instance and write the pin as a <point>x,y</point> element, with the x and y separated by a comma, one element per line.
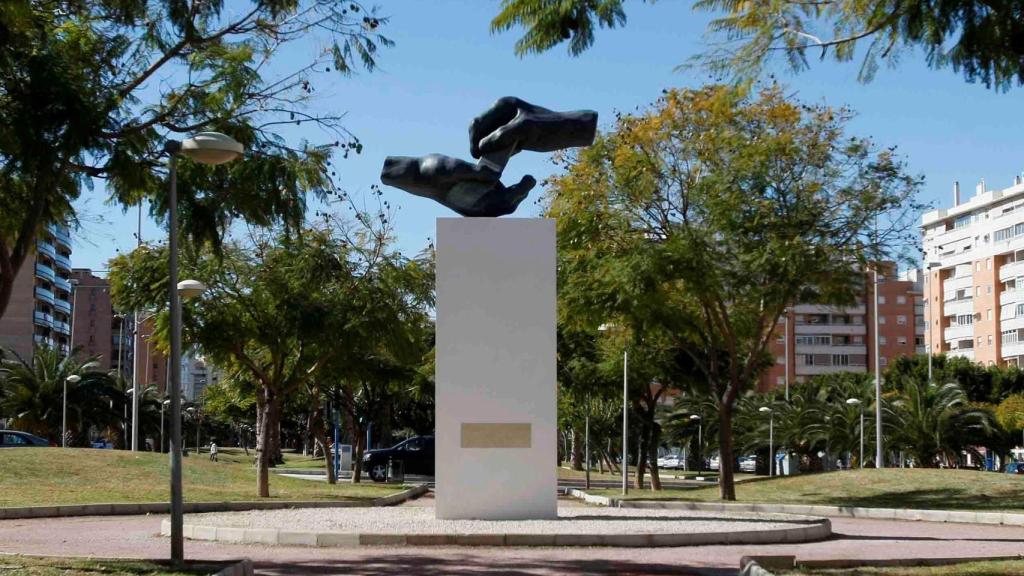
<point>814,529</point>
<point>764,563</point>
<point>951,516</point>
<point>193,507</point>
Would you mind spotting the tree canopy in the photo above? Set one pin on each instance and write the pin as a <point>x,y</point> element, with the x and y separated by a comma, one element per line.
<point>89,92</point>
<point>698,221</point>
<point>981,39</point>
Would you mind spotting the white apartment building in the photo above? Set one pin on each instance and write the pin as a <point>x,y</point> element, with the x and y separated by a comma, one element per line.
<point>974,285</point>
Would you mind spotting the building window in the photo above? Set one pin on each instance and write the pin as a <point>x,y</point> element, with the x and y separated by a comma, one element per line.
<point>977,291</point>
<point>840,360</point>
<point>781,339</point>
<point>988,261</point>
<point>901,340</point>
<point>881,319</point>
<point>780,360</point>
<point>988,314</point>
<point>901,319</point>
<point>989,339</point>
<point>808,359</point>
<point>780,381</point>
<point>988,288</point>
<point>977,266</point>
<point>901,299</point>
<point>884,361</point>
<point>965,319</point>
<point>882,341</point>
<point>979,341</point>
<point>881,299</point>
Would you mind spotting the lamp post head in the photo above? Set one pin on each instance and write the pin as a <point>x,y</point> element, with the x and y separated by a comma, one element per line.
<point>210,148</point>
<point>764,409</point>
<point>73,379</point>
<point>694,417</point>
<point>853,402</point>
<point>188,289</point>
<point>604,327</point>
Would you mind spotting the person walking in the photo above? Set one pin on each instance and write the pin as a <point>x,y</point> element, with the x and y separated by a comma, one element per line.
<point>213,451</point>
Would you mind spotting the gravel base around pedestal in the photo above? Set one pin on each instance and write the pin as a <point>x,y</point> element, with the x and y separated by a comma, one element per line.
<point>415,526</point>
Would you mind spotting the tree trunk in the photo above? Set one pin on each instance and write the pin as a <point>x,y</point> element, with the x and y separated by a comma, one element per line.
<point>263,433</point>
<point>641,461</point>
<point>726,462</point>
<point>274,454</point>
<point>652,456</point>
<point>318,429</point>
<point>576,449</point>
<point>357,452</point>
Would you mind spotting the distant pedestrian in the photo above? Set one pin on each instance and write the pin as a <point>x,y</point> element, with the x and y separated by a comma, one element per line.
<point>213,451</point>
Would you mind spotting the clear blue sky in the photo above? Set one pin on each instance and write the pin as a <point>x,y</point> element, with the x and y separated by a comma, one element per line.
<point>446,67</point>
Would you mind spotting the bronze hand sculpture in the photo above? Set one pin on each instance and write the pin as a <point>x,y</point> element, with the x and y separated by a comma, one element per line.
<point>509,126</point>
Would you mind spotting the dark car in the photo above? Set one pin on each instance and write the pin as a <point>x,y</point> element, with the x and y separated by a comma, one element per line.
<point>416,454</point>
<point>15,439</point>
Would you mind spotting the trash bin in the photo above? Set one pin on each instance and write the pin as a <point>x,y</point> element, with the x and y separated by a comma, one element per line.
<point>396,471</point>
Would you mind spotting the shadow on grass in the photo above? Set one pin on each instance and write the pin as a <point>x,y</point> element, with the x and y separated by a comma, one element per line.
<point>931,499</point>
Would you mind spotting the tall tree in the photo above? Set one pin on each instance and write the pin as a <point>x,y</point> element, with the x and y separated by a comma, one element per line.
<point>707,215</point>
<point>277,312</point>
<point>982,39</point>
<point>89,91</point>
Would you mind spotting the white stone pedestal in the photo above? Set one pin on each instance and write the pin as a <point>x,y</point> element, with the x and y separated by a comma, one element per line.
<point>495,396</point>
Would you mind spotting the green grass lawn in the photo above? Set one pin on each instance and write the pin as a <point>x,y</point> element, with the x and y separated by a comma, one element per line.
<point>887,488</point>
<point>30,566</point>
<point>998,568</point>
<point>49,476</point>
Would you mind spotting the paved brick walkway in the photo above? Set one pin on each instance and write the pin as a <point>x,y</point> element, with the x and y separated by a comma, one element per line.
<point>136,536</point>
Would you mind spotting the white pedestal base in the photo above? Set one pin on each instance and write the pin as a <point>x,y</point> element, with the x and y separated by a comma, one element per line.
<point>496,406</point>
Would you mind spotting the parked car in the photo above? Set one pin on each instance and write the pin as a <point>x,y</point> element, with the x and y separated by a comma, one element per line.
<point>101,443</point>
<point>670,462</point>
<point>748,463</point>
<point>416,454</point>
<point>713,463</point>
<point>16,439</point>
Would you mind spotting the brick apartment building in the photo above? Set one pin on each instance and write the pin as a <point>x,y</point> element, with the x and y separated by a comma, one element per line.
<point>821,339</point>
<point>39,311</point>
<point>975,283</point>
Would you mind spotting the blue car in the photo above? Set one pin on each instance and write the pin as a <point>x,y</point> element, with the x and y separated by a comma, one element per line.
<point>16,439</point>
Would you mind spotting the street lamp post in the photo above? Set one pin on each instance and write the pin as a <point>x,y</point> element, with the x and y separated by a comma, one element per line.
<point>928,344</point>
<point>771,439</point>
<point>72,379</point>
<point>700,442</point>
<point>205,148</point>
<point>625,422</point>
<point>625,414</point>
<point>879,463</point>
<point>586,442</point>
<point>162,404</point>
<point>856,402</point>
<point>785,340</point>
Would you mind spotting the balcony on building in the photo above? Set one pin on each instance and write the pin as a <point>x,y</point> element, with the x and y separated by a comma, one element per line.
<point>62,305</point>
<point>44,295</point>
<point>62,283</point>
<point>964,282</point>
<point>63,262</point>
<point>45,272</point>
<point>42,319</point>
<point>958,306</point>
<point>958,332</point>
<point>61,234</point>
<point>62,327</point>
<point>46,248</point>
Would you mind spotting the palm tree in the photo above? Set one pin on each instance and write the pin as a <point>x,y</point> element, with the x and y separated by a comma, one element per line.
<point>934,422</point>
<point>33,394</point>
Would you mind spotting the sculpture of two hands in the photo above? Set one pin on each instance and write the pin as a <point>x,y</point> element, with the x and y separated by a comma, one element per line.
<point>508,127</point>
